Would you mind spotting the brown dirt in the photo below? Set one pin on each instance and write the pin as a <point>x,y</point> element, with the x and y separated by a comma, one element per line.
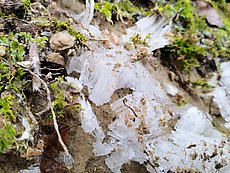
<point>11,163</point>
<point>80,143</point>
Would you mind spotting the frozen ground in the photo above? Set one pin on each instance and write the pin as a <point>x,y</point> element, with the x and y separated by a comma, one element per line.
<point>147,127</point>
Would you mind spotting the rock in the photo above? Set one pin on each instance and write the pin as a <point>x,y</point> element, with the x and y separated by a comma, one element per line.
<point>62,40</point>
<point>205,9</point>
<point>2,50</point>
<point>73,5</point>
<point>56,58</point>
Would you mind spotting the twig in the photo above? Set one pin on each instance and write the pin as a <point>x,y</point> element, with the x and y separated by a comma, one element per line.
<point>97,39</point>
<point>88,46</point>
<point>50,69</point>
<point>35,65</point>
<point>52,111</point>
<point>37,82</point>
<point>124,102</point>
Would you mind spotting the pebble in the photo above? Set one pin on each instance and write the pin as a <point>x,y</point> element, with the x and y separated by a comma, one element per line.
<point>2,50</point>
<point>56,58</point>
<point>62,41</point>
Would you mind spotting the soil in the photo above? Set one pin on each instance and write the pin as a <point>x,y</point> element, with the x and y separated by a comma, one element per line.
<point>12,163</point>
<point>80,143</point>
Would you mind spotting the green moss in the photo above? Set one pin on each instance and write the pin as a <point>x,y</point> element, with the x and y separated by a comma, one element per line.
<point>59,98</point>
<point>190,45</point>
<point>137,40</point>
<point>14,48</point>
<point>6,108</point>
<point>182,102</point>
<point>202,82</point>
<point>106,8</point>
<point>41,41</point>
<point>7,131</point>
<point>67,26</point>
<point>12,83</point>
<point>126,9</point>
<point>15,44</point>
<point>59,102</point>
<point>7,137</point>
<point>26,3</point>
<point>184,52</point>
<point>4,74</point>
<point>219,5</point>
<point>123,9</point>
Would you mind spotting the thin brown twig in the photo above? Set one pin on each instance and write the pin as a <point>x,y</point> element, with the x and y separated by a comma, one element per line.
<point>124,102</point>
<point>52,111</point>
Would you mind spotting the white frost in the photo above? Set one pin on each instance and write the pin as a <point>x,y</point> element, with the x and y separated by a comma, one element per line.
<point>26,134</point>
<point>154,25</point>
<point>141,131</point>
<point>87,15</point>
<point>91,125</point>
<point>222,93</point>
<point>195,144</point>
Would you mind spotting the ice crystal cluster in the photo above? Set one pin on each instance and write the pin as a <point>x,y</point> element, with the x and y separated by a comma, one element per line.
<point>141,131</point>
<point>222,93</point>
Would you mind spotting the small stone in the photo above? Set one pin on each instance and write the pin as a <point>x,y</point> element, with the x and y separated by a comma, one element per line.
<point>46,33</point>
<point>206,9</point>
<point>71,52</point>
<point>206,42</point>
<point>2,50</point>
<point>208,34</point>
<point>56,58</point>
<point>62,40</point>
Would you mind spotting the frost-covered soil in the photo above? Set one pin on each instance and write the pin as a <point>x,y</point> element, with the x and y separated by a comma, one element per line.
<point>142,128</point>
<point>130,121</point>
